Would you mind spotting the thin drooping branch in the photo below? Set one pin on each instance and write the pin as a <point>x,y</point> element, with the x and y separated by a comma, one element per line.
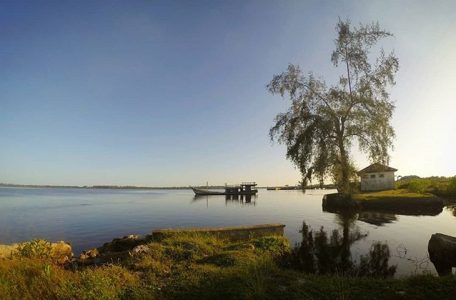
<point>322,123</point>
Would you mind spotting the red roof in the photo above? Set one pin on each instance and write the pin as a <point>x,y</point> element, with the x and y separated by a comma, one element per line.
<point>377,167</point>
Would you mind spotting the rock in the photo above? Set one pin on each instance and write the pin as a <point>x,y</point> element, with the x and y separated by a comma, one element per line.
<point>92,253</point>
<point>61,252</point>
<point>140,249</point>
<point>122,244</point>
<point>442,252</point>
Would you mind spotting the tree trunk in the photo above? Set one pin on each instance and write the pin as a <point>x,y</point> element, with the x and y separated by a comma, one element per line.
<point>344,184</point>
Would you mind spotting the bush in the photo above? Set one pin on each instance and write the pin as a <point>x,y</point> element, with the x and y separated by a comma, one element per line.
<point>451,188</point>
<point>419,185</point>
<point>439,186</point>
<point>40,249</point>
<point>275,245</point>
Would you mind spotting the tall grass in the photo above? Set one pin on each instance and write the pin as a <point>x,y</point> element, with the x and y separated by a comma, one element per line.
<point>200,267</point>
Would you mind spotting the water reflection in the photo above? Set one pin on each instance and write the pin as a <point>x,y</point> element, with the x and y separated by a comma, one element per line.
<point>371,217</point>
<point>241,199</point>
<point>376,218</point>
<point>65,215</point>
<point>323,253</point>
<point>376,262</point>
<point>452,208</point>
<point>229,199</point>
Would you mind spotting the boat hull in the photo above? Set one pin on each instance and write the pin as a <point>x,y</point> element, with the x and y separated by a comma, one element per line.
<point>201,192</point>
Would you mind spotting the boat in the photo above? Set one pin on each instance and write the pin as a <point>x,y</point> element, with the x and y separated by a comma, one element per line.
<point>244,188</point>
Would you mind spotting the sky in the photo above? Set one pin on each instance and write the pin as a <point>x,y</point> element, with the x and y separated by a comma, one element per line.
<point>173,93</point>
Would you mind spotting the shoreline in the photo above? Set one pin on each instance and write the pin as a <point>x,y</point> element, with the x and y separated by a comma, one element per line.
<point>406,205</point>
<point>201,266</point>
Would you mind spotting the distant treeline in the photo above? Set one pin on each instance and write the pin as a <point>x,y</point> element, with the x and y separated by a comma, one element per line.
<point>132,187</point>
<point>94,186</point>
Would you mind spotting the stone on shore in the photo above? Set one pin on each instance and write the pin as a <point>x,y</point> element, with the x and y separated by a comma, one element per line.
<point>442,252</point>
<point>122,244</point>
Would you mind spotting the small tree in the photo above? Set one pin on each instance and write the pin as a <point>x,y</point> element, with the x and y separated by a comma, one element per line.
<point>323,121</point>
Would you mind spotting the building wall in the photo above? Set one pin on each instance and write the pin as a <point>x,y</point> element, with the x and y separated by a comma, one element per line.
<point>377,181</point>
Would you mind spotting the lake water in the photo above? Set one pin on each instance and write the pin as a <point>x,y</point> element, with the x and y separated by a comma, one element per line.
<point>89,217</point>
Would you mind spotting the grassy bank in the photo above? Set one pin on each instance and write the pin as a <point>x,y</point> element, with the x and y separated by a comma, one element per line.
<point>401,201</point>
<point>203,267</point>
<point>440,186</point>
<point>391,195</point>
<point>398,201</point>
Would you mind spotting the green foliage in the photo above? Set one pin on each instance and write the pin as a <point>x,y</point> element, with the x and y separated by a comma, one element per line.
<point>337,174</point>
<point>40,249</point>
<point>190,247</point>
<point>320,253</point>
<point>229,258</point>
<point>218,269</point>
<point>439,186</point>
<point>275,245</point>
<point>418,186</point>
<point>451,187</point>
<point>107,282</point>
<point>375,264</point>
<point>324,120</point>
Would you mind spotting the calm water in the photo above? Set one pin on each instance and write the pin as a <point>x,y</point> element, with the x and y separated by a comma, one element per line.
<point>88,218</point>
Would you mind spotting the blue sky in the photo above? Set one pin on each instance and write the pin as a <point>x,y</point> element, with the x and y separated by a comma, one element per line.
<point>174,92</point>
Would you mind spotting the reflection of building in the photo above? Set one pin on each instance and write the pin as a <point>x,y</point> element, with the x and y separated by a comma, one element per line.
<point>377,177</point>
<point>376,218</point>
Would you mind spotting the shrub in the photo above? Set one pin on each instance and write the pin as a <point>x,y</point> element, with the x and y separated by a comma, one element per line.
<point>451,188</point>
<point>419,185</point>
<point>40,249</point>
<point>275,245</point>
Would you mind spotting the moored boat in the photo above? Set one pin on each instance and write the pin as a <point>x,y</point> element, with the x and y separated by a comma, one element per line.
<point>244,188</point>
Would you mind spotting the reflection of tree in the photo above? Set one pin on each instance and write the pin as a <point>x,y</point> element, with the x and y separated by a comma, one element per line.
<point>321,253</point>
<point>347,221</point>
<point>376,218</point>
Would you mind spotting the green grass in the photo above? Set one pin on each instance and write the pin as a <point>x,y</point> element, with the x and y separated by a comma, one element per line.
<point>400,201</point>
<point>440,186</point>
<point>203,267</point>
<point>390,194</point>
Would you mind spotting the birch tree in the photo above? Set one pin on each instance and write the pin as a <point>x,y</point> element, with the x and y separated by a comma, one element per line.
<point>324,120</point>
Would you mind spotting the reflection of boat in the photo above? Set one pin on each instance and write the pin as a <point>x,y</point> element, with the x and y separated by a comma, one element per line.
<point>244,188</point>
<point>229,199</point>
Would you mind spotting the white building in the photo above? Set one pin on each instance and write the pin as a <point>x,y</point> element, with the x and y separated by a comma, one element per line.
<point>377,177</point>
